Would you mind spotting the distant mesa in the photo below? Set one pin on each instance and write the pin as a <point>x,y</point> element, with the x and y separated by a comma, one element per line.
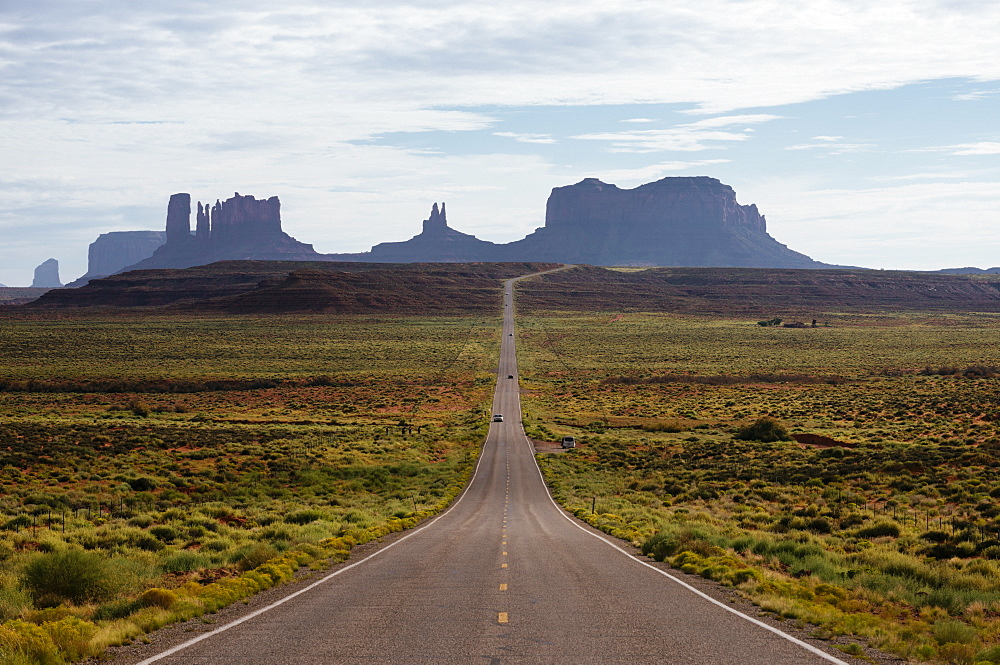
<point>970,271</point>
<point>47,275</point>
<point>116,250</point>
<point>238,228</point>
<point>678,221</point>
<point>683,221</point>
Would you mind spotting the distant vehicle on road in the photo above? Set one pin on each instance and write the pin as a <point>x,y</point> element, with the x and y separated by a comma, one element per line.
<point>569,442</point>
<point>510,376</point>
<point>497,418</point>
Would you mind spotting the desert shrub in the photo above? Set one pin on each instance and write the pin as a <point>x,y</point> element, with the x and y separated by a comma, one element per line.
<point>22,642</point>
<point>164,533</point>
<point>304,516</point>
<point>117,609</point>
<point>949,631</point>
<point>765,429</point>
<point>184,562</point>
<point>12,602</point>
<point>72,635</point>
<point>881,528</point>
<point>666,543</point>
<point>251,556</point>
<point>141,484</point>
<point>70,575</point>
<point>139,408</point>
<point>157,597</point>
<point>991,655</point>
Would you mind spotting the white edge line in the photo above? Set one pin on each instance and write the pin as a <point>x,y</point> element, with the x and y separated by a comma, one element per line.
<point>194,640</point>
<point>776,631</point>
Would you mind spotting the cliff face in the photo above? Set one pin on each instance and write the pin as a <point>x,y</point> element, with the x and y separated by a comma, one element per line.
<point>47,275</point>
<point>670,222</point>
<point>241,227</point>
<point>113,251</point>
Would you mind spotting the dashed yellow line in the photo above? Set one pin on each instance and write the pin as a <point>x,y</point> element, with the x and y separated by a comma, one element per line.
<point>505,554</point>
<point>502,617</point>
<point>503,587</point>
<point>503,565</point>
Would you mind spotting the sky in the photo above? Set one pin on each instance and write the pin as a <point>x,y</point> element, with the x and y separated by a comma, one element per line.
<point>868,134</point>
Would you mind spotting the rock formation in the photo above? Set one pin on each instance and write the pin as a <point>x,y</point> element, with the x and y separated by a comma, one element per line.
<point>687,221</point>
<point>47,275</point>
<point>438,242</point>
<point>114,250</point>
<point>241,227</point>
<point>671,222</point>
<point>179,217</point>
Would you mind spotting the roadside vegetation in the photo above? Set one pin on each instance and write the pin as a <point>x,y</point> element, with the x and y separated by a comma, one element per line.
<point>844,476</point>
<point>157,469</point>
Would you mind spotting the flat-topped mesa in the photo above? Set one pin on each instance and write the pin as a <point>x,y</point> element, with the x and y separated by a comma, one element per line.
<point>677,221</point>
<point>179,218</point>
<point>691,203</point>
<point>245,215</point>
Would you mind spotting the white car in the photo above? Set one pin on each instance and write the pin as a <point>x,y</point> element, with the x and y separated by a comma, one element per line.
<point>497,418</point>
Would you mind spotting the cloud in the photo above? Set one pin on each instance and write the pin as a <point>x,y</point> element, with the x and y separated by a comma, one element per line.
<point>981,148</point>
<point>644,174</point>
<point>975,95</point>
<point>527,138</point>
<point>887,227</point>
<point>690,137</point>
<point>833,148</point>
<point>637,120</point>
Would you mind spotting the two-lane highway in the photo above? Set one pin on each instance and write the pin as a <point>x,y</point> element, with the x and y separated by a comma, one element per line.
<point>503,577</point>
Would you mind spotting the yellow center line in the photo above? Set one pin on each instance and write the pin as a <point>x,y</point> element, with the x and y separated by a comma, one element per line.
<point>503,587</point>
<point>502,617</point>
<point>503,565</point>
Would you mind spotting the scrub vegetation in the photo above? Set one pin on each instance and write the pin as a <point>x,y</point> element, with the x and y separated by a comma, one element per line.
<point>154,469</point>
<point>844,475</point>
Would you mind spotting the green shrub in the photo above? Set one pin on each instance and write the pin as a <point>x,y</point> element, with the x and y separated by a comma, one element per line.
<point>879,529</point>
<point>251,556</point>
<point>164,533</point>
<point>12,603</point>
<point>71,575</point>
<point>117,609</point>
<point>949,631</point>
<point>303,517</point>
<point>765,429</point>
<point>184,562</point>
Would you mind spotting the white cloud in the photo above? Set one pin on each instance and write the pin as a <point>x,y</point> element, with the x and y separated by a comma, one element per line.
<point>833,148</point>
<point>981,148</point>
<point>689,137</point>
<point>920,226</point>
<point>526,138</point>
<point>637,120</point>
<point>627,178</point>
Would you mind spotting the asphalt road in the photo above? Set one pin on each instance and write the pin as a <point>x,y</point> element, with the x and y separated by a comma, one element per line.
<point>502,577</point>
